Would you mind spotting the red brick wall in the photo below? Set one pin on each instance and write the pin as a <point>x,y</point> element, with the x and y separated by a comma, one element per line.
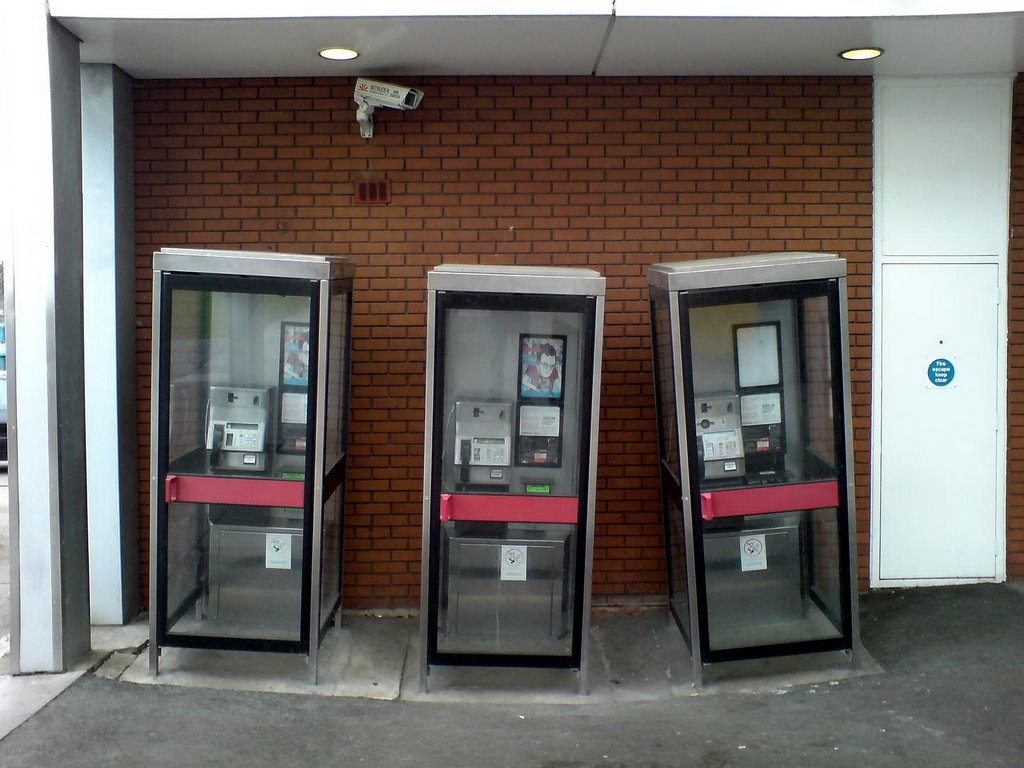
<point>615,174</point>
<point>1015,354</point>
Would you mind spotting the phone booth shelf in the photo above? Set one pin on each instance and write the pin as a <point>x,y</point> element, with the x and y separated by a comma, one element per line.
<point>752,381</point>
<point>513,380</point>
<point>249,410</point>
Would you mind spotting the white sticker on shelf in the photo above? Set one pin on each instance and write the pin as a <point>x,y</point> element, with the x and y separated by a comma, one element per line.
<point>279,551</point>
<point>513,562</point>
<point>753,553</point>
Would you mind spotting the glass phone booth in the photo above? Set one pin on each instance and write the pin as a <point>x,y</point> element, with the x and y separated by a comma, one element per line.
<point>752,378</point>
<point>513,381</point>
<point>250,428</point>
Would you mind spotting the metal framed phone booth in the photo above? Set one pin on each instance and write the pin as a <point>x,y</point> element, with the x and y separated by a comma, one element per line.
<point>513,382</point>
<point>751,363</point>
<point>250,385</point>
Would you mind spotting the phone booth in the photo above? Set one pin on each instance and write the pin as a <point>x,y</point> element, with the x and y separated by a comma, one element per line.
<point>752,377</point>
<point>513,381</point>
<point>249,439</point>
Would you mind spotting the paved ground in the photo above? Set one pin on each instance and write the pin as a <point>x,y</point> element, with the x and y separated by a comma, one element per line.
<point>5,562</point>
<point>949,691</point>
<point>942,685</point>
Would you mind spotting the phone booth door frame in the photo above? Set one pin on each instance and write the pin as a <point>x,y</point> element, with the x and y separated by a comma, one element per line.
<point>232,504</point>
<point>693,505</point>
<point>448,497</point>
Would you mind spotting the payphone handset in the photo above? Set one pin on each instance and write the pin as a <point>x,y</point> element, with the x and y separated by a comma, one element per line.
<point>719,435</point>
<point>236,427</point>
<point>483,444</point>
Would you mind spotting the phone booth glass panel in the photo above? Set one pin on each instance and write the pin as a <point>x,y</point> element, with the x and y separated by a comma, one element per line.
<point>250,393</point>
<point>752,374</point>
<point>513,361</point>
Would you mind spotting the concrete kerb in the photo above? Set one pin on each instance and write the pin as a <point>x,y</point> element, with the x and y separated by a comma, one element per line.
<point>635,657</point>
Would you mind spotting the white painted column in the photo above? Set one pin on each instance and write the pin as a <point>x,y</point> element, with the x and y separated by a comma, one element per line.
<point>109,321</point>
<point>941,242</point>
<point>42,159</point>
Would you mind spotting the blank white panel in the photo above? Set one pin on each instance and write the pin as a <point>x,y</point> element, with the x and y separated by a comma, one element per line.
<point>939,510</point>
<point>942,160</point>
<point>757,355</point>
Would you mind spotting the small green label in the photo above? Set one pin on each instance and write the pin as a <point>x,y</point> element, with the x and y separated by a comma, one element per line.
<point>286,475</point>
<point>538,489</point>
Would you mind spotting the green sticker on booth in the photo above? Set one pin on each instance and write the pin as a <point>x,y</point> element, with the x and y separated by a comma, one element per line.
<point>538,489</point>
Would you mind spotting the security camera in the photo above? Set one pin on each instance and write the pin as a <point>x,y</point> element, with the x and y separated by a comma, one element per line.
<point>378,94</point>
<point>370,94</point>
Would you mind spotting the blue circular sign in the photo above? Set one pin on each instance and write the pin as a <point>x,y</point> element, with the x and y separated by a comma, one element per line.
<point>941,372</point>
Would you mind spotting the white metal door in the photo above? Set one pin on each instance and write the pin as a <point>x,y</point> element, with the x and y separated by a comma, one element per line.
<point>939,486</point>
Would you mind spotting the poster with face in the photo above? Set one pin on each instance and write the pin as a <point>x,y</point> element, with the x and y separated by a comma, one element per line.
<point>295,354</point>
<point>293,389</point>
<point>541,366</point>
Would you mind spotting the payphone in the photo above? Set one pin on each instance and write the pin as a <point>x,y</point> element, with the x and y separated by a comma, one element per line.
<point>752,382</point>
<point>236,427</point>
<point>513,375</point>
<point>483,445</point>
<point>720,445</point>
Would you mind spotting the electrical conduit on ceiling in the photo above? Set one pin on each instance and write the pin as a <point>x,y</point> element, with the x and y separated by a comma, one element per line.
<point>604,40</point>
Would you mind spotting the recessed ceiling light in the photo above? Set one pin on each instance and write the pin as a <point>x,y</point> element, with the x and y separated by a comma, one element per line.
<point>860,54</point>
<point>338,54</point>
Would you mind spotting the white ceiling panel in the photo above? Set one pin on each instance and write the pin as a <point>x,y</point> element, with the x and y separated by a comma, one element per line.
<point>736,9</point>
<point>288,47</point>
<point>532,44</point>
<point>922,46</point>
<point>322,9</point>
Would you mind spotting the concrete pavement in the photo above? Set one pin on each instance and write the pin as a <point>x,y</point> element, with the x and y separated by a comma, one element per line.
<point>5,563</point>
<point>940,685</point>
<point>947,691</point>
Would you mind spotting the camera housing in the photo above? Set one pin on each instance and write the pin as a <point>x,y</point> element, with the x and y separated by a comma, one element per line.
<point>370,94</point>
<point>379,94</point>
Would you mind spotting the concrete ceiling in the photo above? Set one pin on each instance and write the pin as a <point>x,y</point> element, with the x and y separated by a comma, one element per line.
<point>638,37</point>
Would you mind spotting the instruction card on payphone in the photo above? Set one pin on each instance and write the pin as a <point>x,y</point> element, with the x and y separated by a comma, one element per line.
<point>756,410</point>
<point>540,420</point>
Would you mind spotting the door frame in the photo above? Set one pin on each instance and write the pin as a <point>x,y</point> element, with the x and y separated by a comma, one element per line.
<point>877,375</point>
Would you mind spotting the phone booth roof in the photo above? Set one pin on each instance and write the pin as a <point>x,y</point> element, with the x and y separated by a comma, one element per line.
<point>254,263</point>
<point>746,270</point>
<point>488,278</point>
